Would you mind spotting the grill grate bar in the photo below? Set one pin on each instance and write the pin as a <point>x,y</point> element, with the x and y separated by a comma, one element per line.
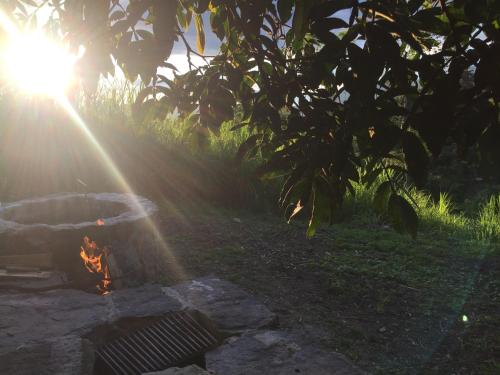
<point>194,326</point>
<point>176,338</point>
<point>173,341</point>
<point>122,353</point>
<point>164,339</point>
<point>182,337</point>
<point>139,350</point>
<point>116,364</point>
<point>155,350</point>
<point>194,340</point>
<point>208,335</point>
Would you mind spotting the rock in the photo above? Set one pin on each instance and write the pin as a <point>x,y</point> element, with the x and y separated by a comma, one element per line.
<point>276,353</point>
<point>142,257</point>
<point>228,306</point>
<point>27,319</point>
<point>41,333</point>
<point>68,355</point>
<point>189,370</point>
<point>55,280</point>
<point>147,300</point>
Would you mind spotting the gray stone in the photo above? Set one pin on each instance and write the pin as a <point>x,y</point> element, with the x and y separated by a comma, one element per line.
<point>276,353</point>
<point>55,280</point>
<point>147,300</point>
<point>134,208</point>
<point>67,355</point>
<point>143,257</point>
<point>228,306</point>
<point>189,370</point>
<point>27,319</point>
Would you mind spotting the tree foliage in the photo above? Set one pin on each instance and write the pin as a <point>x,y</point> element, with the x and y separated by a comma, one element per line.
<point>330,87</point>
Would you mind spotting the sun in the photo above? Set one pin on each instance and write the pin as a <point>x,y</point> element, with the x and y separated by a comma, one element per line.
<point>36,64</point>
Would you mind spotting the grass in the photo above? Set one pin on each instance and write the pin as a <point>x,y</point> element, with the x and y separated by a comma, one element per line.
<point>489,219</point>
<point>392,304</point>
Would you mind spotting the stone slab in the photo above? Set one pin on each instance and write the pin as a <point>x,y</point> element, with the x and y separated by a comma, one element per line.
<point>67,355</point>
<point>228,306</point>
<point>56,280</point>
<point>26,319</point>
<point>276,353</point>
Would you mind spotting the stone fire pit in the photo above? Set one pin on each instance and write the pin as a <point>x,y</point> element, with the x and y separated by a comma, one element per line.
<point>56,225</point>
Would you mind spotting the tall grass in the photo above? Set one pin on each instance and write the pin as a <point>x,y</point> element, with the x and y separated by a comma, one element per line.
<point>113,104</point>
<point>437,215</point>
<point>489,219</point>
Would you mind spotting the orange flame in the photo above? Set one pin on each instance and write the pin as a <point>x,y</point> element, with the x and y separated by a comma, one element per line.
<point>95,260</point>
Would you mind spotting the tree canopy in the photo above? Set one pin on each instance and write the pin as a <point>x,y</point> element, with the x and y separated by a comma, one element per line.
<point>336,91</point>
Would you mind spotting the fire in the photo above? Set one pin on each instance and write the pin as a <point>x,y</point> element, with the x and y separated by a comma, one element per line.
<point>95,260</point>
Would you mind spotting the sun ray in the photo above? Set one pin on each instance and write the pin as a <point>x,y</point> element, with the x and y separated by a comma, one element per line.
<point>176,268</point>
<point>45,84</point>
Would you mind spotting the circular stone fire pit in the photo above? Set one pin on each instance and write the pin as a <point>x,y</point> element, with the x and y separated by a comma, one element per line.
<point>56,225</point>
<point>70,211</point>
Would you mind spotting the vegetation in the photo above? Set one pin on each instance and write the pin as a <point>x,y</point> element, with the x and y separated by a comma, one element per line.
<point>339,110</point>
<point>475,217</point>
<point>392,304</point>
<point>326,86</point>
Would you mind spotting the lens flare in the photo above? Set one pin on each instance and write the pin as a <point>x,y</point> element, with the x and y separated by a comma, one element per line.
<point>36,64</point>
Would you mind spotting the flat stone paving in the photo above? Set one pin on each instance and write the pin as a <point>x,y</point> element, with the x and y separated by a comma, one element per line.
<point>41,333</point>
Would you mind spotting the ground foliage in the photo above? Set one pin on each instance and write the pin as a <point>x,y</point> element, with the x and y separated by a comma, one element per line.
<point>327,86</point>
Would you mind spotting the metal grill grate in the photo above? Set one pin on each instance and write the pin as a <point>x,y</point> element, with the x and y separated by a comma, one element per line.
<point>176,339</point>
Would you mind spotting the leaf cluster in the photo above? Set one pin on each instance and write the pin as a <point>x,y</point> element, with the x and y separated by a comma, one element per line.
<point>329,87</point>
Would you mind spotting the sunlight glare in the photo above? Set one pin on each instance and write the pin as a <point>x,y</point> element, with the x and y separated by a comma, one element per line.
<point>37,65</point>
<point>40,66</point>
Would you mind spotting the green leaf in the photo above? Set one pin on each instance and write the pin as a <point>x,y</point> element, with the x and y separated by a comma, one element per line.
<point>202,6</point>
<point>414,5</point>
<point>285,9</point>
<point>314,220</point>
<point>381,197</point>
<point>322,204</point>
<point>402,215</point>
<point>328,8</point>
<point>416,157</point>
<point>332,23</point>
<point>200,33</point>
<point>117,15</point>
<point>246,146</point>
<point>301,18</point>
<point>385,139</point>
<point>371,176</point>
